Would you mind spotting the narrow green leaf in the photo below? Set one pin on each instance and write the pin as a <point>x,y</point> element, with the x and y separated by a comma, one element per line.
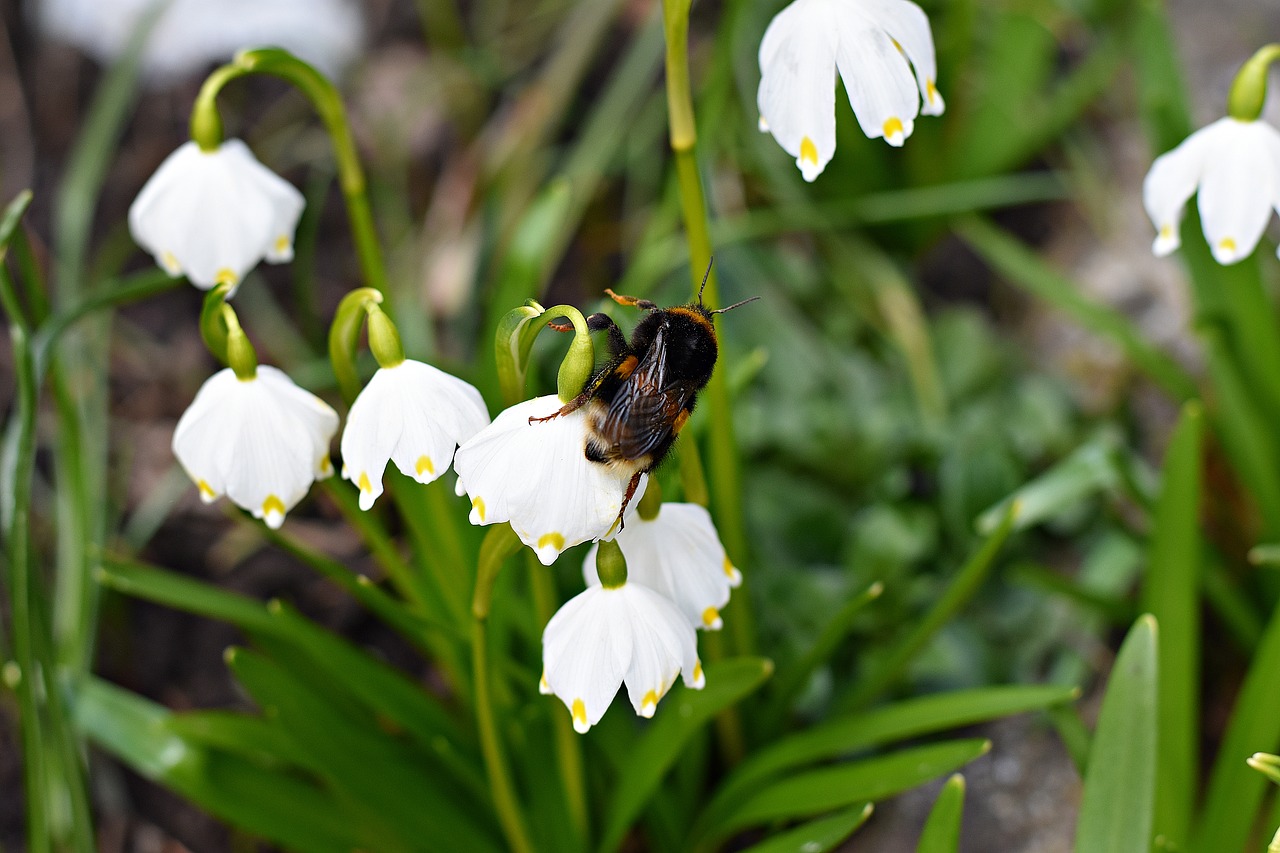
<point>1085,472</point>
<point>683,714</point>
<point>1266,764</point>
<point>941,833</point>
<point>962,588</point>
<point>842,736</point>
<point>1119,788</point>
<point>182,593</point>
<point>1170,594</point>
<point>816,791</point>
<point>816,836</point>
<point>252,737</point>
<point>279,806</point>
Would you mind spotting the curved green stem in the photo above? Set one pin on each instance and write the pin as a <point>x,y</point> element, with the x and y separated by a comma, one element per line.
<point>344,337</point>
<point>206,130</point>
<point>1249,89</point>
<point>500,543</point>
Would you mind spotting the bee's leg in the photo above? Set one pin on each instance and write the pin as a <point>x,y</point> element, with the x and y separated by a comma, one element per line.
<point>598,323</point>
<point>631,301</point>
<point>579,401</point>
<point>626,499</point>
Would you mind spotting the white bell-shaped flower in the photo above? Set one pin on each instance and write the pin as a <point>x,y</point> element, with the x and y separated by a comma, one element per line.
<point>190,35</point>
<point>678,554</point>
<point>259,441</point>
<point>537,476</point>
<point>1235,166</point>
<point>213,215</point>
<point>874,44</point>
<point>413,415</point>
<point>608,635</point>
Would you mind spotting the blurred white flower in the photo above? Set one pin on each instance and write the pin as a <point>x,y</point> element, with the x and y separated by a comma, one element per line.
<point>411,414</point>
<point>874,44</point>
<point>677,554</point>
<point>537,477</point>
<point>1235,165</point>
<point>607,635</point>
<point>214,215</point>
<point>260,441</point>
<point>191,35</point>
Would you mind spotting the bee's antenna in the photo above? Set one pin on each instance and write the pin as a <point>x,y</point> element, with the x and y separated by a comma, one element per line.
<point>735,305</point>
<point>706,275</point>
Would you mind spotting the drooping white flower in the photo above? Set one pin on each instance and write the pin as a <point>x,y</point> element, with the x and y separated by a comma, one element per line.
<point>874,44</point>
<point>413,415</point>
<point>190,35</point>
<point>1235,166</point>
<point>259,441</point>
<point>214,215</point>
<point>537,477</point>
<point>607,635</point>
<point>677,554</point>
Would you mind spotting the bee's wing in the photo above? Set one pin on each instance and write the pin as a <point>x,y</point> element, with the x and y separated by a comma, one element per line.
<point>641,414</point>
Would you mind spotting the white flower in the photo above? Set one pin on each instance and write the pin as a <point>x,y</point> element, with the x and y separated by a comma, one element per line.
<point>871,42</point>
<point>605,636</point>
<point>677,554</point>
<point>1235,165</point>
<point>411,414</point>
<point>259,441</point>
<point>537,477</point>
<point>214,215</point>
<point>190,35</point>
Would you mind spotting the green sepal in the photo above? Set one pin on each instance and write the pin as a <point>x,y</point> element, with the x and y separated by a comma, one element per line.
<point>611,565</point>
<point>344,337</point>
<point>1249,89</point>
<point>384,340</point>
<point>220,328</point>
<point>512,343</point>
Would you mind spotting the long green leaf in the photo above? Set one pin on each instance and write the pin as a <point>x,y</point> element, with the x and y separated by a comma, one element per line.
<point>941,833</point>
<point>816,836</point>
<point>1170,594</point>
<point>279,806</point>
<point>1085,472</point>
<point>683,714</point>
<point>1119,787</point>
<point>813,792</point>
<point>912,718</point>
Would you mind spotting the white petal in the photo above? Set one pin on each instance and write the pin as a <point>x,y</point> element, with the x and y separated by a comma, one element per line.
<point>664,643</point>
<point>1237,190</point>
<point>1172,180</point>
<point>679,555</point>
<point>537,477</point>
<point>414,415</point>
<point>881,88</point>
<point>907,24</point>
<point>256,440</point>
<point>214,215</point>
<point>796,97</point>
<point>586,650</point>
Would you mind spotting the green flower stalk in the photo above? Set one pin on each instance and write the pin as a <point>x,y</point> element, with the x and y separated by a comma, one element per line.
<point>1249,89</point>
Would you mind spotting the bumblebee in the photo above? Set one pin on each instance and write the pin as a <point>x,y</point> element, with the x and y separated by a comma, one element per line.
<point>638,402</point>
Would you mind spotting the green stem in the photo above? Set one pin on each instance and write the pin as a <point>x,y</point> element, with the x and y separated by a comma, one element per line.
<point>206,130</point>
<point>500,543</point>
<point>1249,89</point>
<point>344,338</point>
<point>568,743</point>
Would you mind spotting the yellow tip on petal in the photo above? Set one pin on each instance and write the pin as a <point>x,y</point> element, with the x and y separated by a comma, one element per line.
<point>1166,231</point>
<point>552,539</point>
<point>1227,244</point>
<point>931,90</point>
<point>282,244</point>
<point>170,263</point>
<point>226,276</point>
<point>273,511</point>
<point>363,482</point>
<point>326,467</point>
<point>697,670</point>
<point>808,151</point>
<point>424,463</point>
<point>207,493</point>
<point>579,711</point>
<point>893,130</point>
<point>710,616</point>
<point>478,505</point>
<point>649,703</point>
<point>728,567</point>
<point>543,687</point>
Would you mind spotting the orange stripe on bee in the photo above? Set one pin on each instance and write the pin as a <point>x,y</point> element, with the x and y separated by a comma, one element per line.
<point>693,315</point>
<point>680,421</point>
<point>627,367</point>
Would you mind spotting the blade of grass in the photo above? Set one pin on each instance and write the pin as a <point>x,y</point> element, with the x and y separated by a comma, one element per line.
<point>816,836</point>
<point>1119,788</point>
<point>941,833</point>
<point>1170,594</point>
